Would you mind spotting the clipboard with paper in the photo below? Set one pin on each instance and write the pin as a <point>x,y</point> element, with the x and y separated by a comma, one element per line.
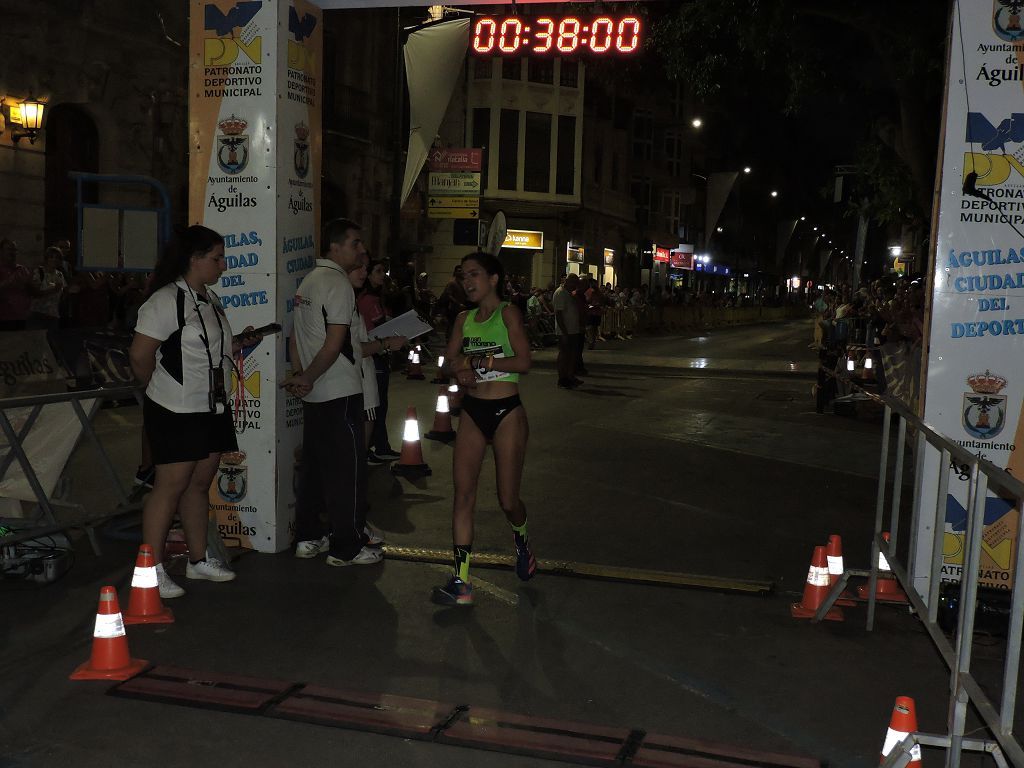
<point>409,325</point>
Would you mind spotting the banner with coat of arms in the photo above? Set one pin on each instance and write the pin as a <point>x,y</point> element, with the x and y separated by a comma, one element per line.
<point>975,380</point>
<point>255,95</point>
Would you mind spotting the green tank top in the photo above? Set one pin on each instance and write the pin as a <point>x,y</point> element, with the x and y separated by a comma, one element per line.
<point>488,338</point>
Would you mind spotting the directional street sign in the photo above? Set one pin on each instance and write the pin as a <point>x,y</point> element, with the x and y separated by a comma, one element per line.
<point>454,213</point>
<point>468,159</point>
<point>459,183</point>
<point>453,202</point>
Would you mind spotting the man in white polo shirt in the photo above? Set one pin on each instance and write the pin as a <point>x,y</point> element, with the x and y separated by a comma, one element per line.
<point>327,361</point>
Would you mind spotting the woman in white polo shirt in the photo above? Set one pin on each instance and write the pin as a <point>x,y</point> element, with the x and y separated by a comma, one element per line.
<point>182,353</point>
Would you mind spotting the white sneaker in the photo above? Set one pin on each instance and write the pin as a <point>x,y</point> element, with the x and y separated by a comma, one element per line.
<point>313,547</point>
<point>168,587</point>
<point>376,537</point>
<point>210,569</point>
<point>365,556</point>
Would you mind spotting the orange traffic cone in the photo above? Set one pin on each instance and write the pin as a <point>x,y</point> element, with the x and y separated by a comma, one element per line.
<point>454,399</point>
<point>415,370</point>
<point>442,429</point>
<point>410,463</point>
<point>815,591</point>
<point>110,659</point>
<point>902,723</point>
<point>887,589</point>
<point>144,604</point>
<point>439,377</point>
<point>834,554</point>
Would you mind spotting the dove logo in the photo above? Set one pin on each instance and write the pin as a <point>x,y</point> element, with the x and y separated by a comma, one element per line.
<point>223,49</point>
<point>300,28</point>
<point>301,56</point>
<point>993,165</point>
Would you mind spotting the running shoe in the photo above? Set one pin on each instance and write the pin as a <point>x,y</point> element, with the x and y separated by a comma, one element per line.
<point>526,563</point>
<point>455,592</point>
<point>210,569</point>
<point>373,460</point>
<point>365,556</point>
<point>167,586</point>
<point>388,454</point>
<point>374,537</point>
<point>312,547</point>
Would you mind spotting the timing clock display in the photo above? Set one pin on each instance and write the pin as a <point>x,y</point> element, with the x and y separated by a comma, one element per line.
<point>511,35</point>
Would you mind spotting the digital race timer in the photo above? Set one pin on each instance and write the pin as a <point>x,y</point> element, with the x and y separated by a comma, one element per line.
<point>511,35</point>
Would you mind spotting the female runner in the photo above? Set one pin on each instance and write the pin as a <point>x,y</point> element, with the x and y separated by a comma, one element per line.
<point>486,353</point>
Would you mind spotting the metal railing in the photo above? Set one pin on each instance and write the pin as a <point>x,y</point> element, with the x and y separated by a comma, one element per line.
<point>964,688</point>
<point>16,450</point>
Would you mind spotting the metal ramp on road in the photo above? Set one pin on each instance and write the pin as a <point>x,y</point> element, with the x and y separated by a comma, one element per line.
<point>443,722</point>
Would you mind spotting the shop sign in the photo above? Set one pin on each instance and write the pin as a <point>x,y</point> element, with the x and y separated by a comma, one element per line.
<point>455,159</point>
<point>680,260</point>
<point>661,254</point>
<point>526,239</point>
<point>609,257</point>
<point>574,254</point>
<point>454,183</point>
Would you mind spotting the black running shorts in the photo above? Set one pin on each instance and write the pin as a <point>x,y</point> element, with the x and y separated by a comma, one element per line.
<point>175,437</point>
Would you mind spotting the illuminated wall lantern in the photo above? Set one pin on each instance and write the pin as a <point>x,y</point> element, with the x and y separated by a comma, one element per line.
<point>27,115</point>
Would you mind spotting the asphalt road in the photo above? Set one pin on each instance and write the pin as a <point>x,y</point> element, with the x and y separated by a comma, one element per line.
<point>721,468</point>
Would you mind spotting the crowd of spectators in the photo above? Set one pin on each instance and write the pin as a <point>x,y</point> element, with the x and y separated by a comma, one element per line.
<point>886,310</point>
<point>51,293</point>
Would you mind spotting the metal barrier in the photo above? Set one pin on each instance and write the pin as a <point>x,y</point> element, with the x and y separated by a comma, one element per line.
<point>964,688</point>
<point>16,438</point>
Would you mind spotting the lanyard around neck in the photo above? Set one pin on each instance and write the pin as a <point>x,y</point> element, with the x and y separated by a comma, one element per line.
<point>205,334</point>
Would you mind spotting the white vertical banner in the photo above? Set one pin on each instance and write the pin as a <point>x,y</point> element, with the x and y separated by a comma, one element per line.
<point>300,84</point>
<point>254,165</point>
<point>975,378</point>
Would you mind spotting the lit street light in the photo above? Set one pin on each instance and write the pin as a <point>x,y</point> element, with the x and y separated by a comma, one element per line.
<point>747,169</point>
<point>774,193</point>
<point>696,122</point>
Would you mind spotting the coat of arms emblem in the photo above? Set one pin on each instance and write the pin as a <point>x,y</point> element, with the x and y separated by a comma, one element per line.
<point>984,409</point>
<point>232,479</point>
<point>1006,19</point>
<point>301,150</point>
<point>232,145</point>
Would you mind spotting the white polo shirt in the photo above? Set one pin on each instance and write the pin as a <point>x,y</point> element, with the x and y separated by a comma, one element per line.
<point>325,297</point>
<point>181,379</point>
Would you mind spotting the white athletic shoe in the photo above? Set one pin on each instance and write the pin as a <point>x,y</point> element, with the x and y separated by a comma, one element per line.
<point>168,587</point>
<point>210,569</point>
<point>313,547</point>
<point>376,536</point>
<point>365,556</point>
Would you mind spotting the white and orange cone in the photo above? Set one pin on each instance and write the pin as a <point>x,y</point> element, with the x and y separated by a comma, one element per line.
<point>439,377</point>
<point>410,463</point>
<point>815,590</point>
<point>442,430</point>
<point>887,588</point>
<point>834,555</point>
<point>454,399</point>
<point>902,723</point>
<point>144,603</point>
<point>110,658</point>
<point>414,370</point>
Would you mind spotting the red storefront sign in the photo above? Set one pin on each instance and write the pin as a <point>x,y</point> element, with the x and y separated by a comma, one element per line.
<point>661,254</point>
<point>454,159</point>
<point>680,260</point>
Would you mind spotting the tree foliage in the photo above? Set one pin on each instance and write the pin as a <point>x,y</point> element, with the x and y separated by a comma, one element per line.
<point>855,82</point>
